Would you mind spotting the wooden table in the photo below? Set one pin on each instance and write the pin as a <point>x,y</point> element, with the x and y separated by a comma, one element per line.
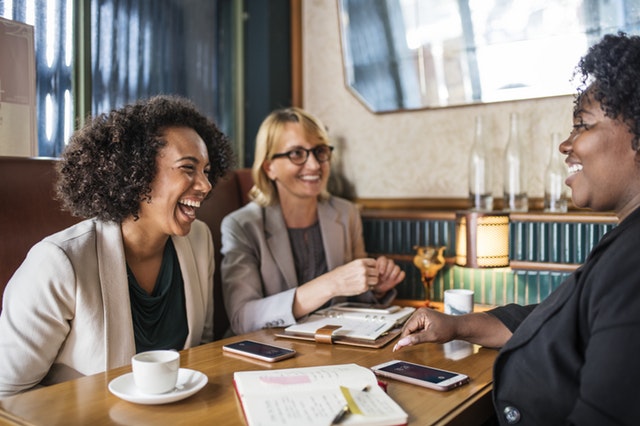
<point>88,401</point>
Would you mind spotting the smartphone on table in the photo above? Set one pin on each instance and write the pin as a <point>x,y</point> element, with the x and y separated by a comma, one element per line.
<point>365,308</point>
<point>421,375</point>
<point>258,350</point>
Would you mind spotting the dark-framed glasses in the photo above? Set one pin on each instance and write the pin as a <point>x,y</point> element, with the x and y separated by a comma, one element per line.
<point>300,155</point>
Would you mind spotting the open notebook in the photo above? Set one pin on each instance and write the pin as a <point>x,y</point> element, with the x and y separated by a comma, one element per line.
<point>314,396</point>
<point>372,329</point>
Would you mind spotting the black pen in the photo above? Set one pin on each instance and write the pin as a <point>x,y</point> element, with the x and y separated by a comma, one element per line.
<point>345,410</point>
<point>341,415</point>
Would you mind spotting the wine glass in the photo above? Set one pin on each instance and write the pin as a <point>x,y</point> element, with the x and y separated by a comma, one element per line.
<point>429,260</point>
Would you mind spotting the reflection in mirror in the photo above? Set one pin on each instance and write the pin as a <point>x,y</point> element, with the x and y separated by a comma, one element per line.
<point>410,54</point>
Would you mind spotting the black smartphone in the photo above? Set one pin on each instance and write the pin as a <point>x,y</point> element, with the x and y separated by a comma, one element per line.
<point>258,350</point>
<point>421,375</point>
<point>365,308</point>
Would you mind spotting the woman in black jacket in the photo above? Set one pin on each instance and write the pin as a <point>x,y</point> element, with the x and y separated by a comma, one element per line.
<point>572,359</point>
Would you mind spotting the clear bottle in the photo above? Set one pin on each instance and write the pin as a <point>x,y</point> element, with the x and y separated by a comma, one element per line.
<point>515,184</point>
<point>555,190</point>
<point>480,191</point>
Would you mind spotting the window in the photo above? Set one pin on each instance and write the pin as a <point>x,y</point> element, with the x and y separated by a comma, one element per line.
<point>53,34</point>
<point>138,48</point>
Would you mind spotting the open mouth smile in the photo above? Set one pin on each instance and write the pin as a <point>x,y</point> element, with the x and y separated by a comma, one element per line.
<point>188,207</point>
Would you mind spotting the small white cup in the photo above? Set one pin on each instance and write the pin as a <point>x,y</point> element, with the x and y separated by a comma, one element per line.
<point>458,301</point>
<point>156,372</point>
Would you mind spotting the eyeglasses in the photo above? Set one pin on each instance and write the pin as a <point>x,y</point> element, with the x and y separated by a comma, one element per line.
<point>300,155</point>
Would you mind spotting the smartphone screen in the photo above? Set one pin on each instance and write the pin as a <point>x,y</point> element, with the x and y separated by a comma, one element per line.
<point>259,350</point>
<point>422,375</point>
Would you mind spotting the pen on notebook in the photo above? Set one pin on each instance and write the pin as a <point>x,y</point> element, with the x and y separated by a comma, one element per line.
<point>341,414</point>
<point>345,409</point>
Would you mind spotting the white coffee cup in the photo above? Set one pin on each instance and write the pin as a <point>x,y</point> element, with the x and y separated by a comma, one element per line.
<point>458,301</point>
<point>156,371</point>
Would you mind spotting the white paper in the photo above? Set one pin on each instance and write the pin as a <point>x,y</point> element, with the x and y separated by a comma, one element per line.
<point>312,396</point>
<point>353,324</point>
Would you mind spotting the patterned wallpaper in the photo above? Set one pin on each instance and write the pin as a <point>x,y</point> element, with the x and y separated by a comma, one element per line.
<point>418,154</point>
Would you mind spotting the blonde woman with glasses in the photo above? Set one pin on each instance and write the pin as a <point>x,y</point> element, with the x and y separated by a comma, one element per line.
<point>296,248</point>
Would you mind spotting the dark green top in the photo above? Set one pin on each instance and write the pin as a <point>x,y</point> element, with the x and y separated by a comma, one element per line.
<point>160,318</point>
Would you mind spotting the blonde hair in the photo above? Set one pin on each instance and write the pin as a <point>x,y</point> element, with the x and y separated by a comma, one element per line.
<point>264,191</point>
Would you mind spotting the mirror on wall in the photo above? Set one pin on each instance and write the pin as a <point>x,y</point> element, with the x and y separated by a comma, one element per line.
<point>414,54</point>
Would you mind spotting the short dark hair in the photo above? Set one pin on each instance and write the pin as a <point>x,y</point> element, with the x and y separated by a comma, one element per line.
<point>610,72</point>
<point>108,166</point>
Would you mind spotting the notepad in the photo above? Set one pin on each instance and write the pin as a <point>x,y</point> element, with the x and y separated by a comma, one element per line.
<point>313,395</point>
<point>356,325</point>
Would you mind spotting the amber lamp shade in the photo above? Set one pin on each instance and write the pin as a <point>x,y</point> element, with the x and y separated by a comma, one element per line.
<point>482,239</point>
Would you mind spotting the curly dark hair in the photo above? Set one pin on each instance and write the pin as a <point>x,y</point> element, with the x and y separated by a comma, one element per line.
<point>108,165</point>
<point>610,72</point>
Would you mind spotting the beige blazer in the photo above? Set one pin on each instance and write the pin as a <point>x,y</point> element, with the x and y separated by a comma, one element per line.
<point>258,271</point>
<point>66,310</point>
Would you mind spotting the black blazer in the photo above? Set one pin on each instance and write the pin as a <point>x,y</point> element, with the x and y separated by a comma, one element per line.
<point>574,358</point>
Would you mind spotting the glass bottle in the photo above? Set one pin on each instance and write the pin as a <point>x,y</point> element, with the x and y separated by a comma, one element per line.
<point>515,185</point>
<point>480,192</point>
<point>555,190</point>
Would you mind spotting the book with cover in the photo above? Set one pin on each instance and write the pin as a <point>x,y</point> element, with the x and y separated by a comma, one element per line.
<point>314,396</point>
<point>369,328</point>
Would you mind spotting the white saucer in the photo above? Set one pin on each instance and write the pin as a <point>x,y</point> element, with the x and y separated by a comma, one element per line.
<point>189,382</point>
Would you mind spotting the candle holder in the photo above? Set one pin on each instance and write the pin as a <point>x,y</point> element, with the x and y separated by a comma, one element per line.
<point>429,260</point>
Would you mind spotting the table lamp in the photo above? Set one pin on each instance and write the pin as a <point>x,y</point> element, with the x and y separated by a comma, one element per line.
<point>482,239</point>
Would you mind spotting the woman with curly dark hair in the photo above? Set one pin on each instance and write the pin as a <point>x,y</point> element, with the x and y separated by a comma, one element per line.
<point>572,359</point>
<point>137,274</point>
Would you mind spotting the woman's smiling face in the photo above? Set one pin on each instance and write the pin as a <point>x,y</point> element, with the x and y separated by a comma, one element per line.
<point>181,182</point>
<point>604,172</point>
<point>304,181</point>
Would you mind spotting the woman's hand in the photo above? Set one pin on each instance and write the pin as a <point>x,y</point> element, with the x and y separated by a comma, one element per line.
<point>351,279</point>
<point>427,325</point>
<point>355,277</point>
<point>389,275</point>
